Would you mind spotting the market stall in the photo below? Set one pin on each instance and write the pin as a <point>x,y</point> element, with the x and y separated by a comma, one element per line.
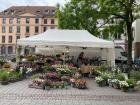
<point>73,41</point>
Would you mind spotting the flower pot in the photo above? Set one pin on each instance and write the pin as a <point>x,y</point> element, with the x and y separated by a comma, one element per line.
<point>110,84</point>
<point>54,87</point>
<point>66,87</point>
<point>116,86</point>
<point>131,89</point>
<point>4,82</point>
<point>72,85</point>
<point>60,87</point>
<point>47,87</point>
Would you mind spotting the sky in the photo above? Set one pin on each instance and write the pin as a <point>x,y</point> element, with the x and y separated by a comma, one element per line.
<point>4,4</point>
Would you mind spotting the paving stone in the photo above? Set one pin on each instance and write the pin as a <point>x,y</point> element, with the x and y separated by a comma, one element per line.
<point>19,94</point>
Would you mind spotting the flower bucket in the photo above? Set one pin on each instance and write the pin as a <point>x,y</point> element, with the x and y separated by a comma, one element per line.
<point>110,84</point>
<point>116,86</point>
<point>47,87</point>
<point>60,87</point>
<point>4,82</point>
<point>131,89</point>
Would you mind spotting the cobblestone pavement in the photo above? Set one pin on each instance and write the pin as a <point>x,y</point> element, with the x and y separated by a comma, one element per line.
<point>19,94</point>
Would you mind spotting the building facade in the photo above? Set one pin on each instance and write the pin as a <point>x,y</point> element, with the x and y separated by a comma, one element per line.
<point>136,35</point>
<point>23,21</point>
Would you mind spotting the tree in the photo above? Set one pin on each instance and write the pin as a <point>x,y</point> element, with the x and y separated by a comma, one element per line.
<point>86,14</point>
<point>121,9</point>
<point>79,14</point>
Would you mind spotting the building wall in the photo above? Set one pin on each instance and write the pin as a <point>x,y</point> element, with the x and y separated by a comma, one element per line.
<point>23,25</point>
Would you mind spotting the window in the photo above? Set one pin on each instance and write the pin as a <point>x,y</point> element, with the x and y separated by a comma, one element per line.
<point>27,20</point>
<point>10,39</point>
<point>46,11</point>
<point>44,29</point>
<point>18,29</point>
<point>52,21</point>
<point>37,20</point>
<point>3,29</point>
<point>3,50</point>
<point>3,20</point>
<point>53,11</point>
<point>10,49</point>
<point>27,29</point>
<point>10,29</point>
<point>36,29</point>
<point>18,20</point>
<point>11,21</point>
<point>18,37</point>
<point>3,39</point>
<point>52,27</point>
<point>45,21</point>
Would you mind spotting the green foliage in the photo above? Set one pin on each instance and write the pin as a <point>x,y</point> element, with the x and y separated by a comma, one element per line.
<point>120,77</point>
<point>48,68</point>
<point>106,76</point>
<point>135,75</point>
<point>79,14</point>
<point>14,75</point>
<point>4,76</point>
<point>123,11</point>
<point>131,82</point>
<point>103,68</point>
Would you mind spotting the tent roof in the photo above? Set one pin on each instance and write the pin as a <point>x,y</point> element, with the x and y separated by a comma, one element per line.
<point>79,38</point>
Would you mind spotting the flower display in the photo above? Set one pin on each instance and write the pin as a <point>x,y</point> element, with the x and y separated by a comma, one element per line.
<point>52,75</point>
<point>115,81</point>
<point>99,79</point>
<point>80,83</point>
<point>123,84</point>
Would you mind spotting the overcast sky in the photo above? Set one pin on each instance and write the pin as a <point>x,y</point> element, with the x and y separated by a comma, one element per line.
<point>4,4</point>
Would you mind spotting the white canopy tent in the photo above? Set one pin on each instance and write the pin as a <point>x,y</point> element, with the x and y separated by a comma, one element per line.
<point>74,39</point>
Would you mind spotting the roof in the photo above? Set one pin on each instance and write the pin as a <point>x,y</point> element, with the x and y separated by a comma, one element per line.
<point>80,38</point>
<point>15,11</point>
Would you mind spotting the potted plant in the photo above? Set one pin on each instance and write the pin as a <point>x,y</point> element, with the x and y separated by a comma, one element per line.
<point>132,84</point>
<point>100,81</point>
<point>120,77</point>
<point>135,75</point>
<point>47,87</point>
<point>80,83</point>
<point>106,76</point>
<point>103,79</point>
<point>115,83</point>
<point>124,86</point>
<point>110,83</point>
<point>4,78</point>
<point>14,76</point>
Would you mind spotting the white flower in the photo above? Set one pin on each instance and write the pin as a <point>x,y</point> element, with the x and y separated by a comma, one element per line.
<point>123,84</point>
<point>99,79</point>
<point>115,81</point>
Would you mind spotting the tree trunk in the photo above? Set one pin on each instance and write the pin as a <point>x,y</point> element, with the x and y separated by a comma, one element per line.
<point>129,43</point>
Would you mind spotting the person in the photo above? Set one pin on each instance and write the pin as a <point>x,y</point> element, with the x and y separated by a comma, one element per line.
<point>62,58</point>
<point>80,59</point>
